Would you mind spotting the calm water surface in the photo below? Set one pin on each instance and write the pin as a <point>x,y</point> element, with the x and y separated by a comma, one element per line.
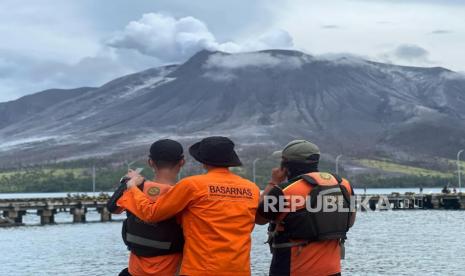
<point>416,242</point>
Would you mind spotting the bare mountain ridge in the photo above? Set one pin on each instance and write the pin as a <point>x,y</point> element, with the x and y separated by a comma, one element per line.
<point>349,105</point>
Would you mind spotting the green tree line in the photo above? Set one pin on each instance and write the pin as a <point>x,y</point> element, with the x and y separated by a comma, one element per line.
<point>67,178</point>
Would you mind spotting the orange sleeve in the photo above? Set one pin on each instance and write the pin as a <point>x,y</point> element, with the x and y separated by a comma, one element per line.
<point>165,207</point>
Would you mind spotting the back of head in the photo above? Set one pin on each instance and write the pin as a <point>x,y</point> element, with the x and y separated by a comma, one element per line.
<point>215,151</point>
<point>166,153</point>
<point>300,157</point>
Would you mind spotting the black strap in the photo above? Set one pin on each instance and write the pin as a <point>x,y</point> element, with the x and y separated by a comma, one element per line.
<point>338,178</point>
<point>147,242</point>
<point>346,195</point>
<point>344,190</point>
<point>310,180</point>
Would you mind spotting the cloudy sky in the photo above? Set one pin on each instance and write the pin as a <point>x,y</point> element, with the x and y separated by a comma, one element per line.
<point>65,44</point>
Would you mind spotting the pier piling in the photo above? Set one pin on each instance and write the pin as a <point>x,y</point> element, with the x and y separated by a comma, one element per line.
<point>14,215</point>
<point>105,215</point>
<point>47,216</point>
<point>79,214</point>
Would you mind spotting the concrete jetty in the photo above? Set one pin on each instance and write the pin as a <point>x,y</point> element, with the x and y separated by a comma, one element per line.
<point>13,210</point>
<point>411,201</point>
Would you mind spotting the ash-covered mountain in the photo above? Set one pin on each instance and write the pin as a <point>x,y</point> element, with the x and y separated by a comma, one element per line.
<point>346,105</point>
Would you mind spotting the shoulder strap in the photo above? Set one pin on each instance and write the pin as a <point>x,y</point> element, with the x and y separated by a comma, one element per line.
<point>344,190</point>
<point>345,194</point>
<point>338,178</point>
<point>310,180</point>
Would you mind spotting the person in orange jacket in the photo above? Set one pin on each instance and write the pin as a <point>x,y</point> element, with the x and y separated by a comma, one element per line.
<point>305,240</point>
<point>217,211</point>
<point>155,249</point>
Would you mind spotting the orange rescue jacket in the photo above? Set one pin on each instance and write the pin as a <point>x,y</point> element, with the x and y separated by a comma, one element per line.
<point>217,211</point>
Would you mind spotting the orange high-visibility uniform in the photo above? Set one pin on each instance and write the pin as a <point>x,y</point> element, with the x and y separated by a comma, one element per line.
<point>217,212</point>
<point>165,265</point>
<point>319,258</point>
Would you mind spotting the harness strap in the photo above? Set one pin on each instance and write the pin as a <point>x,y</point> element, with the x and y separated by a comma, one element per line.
<point>338,178</point>
<point>289,244</point>
<point>310,180</point>
<point>278,227</point>
<point>147,242</point>
<point>345,194</point>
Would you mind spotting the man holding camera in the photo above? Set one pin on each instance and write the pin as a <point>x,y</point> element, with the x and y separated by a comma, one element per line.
<point>217,210</point>
<point>156,249</point>
<point>305,238</point>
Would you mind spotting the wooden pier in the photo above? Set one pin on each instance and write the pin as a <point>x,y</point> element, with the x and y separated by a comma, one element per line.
<point>13,210</point>
<point>409,201</point>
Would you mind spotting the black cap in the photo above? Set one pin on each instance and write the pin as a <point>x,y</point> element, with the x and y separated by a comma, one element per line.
<point>166,150</point>
<point>215,151</point>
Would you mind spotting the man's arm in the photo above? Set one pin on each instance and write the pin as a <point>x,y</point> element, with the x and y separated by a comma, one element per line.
<point>112,202</point>
<point>259,219</point>
<point>166,206</point>
<point>278,175</point>
<point>268,208</point>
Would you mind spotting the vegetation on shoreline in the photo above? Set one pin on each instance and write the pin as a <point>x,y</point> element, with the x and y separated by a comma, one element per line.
<point>77,176</point>
<point>403,169</point>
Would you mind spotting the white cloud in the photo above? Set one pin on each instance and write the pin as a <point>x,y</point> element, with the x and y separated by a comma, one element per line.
<point>411,52</point>
<point>68,53</point>
<point>371,28</point>
<point>16,79</point>
<point>172,40</point>
<point>47,43</point>
<point>261,59</point>
<point>274,39</point>
<point>453,75</point>
<point>221,66</point>
<point>164,37</point>
<point>44,43</point>
<point>408,54</point>
<point>344,59</point>
<point>46,29</point>
<point>441,32</point>
<point>220,76</point>
<point>64,51</point>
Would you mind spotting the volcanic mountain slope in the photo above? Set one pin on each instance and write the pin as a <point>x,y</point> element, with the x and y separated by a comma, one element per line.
<point>28,106</point>
<point>348,105</point>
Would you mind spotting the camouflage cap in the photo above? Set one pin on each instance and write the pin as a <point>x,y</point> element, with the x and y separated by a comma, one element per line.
<point>299,151</point>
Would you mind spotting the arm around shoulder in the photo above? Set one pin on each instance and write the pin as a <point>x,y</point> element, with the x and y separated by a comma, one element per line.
<point>166,206</point>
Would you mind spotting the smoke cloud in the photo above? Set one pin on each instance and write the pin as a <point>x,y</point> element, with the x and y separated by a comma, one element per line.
<point>172,40</point>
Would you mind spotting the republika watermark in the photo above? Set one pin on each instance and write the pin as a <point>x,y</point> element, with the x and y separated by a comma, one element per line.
<point>332,201</point>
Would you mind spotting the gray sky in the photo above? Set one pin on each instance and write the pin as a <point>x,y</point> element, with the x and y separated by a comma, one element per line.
<point>65,44</point>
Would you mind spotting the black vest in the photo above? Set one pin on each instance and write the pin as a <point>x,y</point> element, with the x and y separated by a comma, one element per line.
<point>152,239</point>
<point>315,225</point>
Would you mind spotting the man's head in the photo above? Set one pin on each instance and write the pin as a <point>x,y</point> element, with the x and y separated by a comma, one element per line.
<point>299,157</point>
<point>166,155</point>
<point>215,151</point>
